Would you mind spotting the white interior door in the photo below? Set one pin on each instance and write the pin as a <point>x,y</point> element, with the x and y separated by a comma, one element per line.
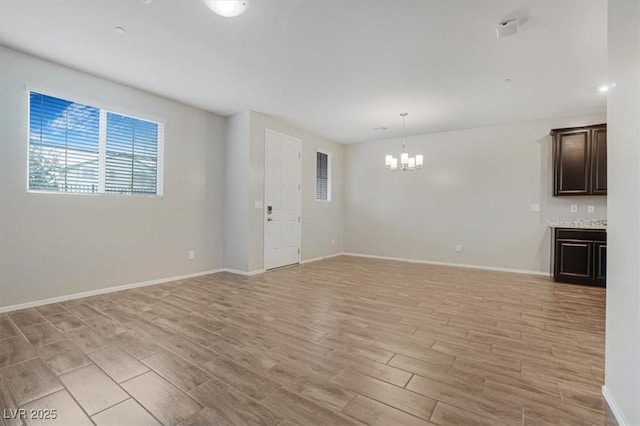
<point>282,200</point>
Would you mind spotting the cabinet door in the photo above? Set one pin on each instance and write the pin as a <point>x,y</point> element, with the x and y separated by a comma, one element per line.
<point>599,160</point>
<point>574,260</point>
<point>600,265</point>
<point>571,162</point>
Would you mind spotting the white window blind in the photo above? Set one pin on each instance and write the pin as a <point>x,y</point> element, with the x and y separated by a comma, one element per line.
<point>82,149</point>
<point>131,155</point>
<point>323,176</point>
<point>63,145</point>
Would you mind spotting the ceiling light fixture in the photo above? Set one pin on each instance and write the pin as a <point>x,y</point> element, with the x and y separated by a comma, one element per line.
<point>406,163</point>
<point>227,8</point>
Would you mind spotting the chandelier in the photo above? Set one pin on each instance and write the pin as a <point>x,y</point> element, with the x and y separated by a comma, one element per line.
<point>406,163</point>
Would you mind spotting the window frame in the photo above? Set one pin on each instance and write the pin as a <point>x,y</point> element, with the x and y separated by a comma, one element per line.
<point>329,175</point>
<point>103,110</point>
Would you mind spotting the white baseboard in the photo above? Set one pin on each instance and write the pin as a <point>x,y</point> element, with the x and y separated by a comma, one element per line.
<point>615,408</point>
<point>261,271</point>
<point>103,291</point>
<point>315,259</point>
<point>245,273</point>
<point>457,265</point>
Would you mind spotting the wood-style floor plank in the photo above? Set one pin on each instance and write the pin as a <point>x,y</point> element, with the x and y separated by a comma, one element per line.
<point>166,402</point>
<point>128,412</point>
<point>229,406</point>
<point>14,350</point>
<point>117,363</point>
<point>29,381</point>
<point>372,412</point>
<point>65,321</point>
<point>42,334</point>
<point>63,356</point>
<point>302,411</point>
<point>7,329</point>
<point>26,317</point>
<point>177,371</point>
<point>67,411</point>
<point>341,341</point>
<point>405,400</point>
<point>93,389</point>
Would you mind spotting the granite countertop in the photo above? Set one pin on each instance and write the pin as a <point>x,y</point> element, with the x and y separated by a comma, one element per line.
<point>580,223</point>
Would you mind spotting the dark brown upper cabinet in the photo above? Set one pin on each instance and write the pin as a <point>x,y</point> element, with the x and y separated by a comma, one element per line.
<point>580,160</point>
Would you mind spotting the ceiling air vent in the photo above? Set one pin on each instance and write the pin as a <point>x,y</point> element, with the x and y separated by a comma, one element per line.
<point>507,28</point>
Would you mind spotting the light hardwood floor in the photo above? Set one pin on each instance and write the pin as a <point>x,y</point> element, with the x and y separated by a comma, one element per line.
<point>341,341</point>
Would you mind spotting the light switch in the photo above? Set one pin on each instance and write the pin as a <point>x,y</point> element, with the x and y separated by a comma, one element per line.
<point>591,209</point>
<point>257,204</point>
<point>535,207</point>
<point>574,208</point>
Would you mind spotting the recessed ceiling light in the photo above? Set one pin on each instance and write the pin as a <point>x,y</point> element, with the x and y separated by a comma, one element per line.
<point>506,81</point>
<point>119,30</point>
<point>381,128</point>
<point>227,8</point>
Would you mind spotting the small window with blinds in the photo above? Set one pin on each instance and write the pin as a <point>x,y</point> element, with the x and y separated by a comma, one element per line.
<point>76,148</point>
<point>323,176</point>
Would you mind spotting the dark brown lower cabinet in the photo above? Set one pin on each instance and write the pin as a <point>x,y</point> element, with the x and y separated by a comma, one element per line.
<point>580,256</point>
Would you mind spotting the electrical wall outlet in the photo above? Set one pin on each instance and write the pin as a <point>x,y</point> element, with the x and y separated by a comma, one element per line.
<point>574,208</point>
<point>591,209</point>
<point>535,207</point>
<point>333,241</point>
<point>192,254</point>
<point>459,248</point>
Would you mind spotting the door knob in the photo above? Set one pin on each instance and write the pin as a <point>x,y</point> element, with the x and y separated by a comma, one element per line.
<point>270,219</point>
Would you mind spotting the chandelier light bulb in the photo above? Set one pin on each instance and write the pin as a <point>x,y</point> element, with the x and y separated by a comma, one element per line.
<point>404,158</point>
<point>419,160</point>
<point>387,160</point>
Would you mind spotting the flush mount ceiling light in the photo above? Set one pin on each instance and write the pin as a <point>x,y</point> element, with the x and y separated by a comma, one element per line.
<point>407,163</point>
<point>119,30</point>
<point>227,8</point>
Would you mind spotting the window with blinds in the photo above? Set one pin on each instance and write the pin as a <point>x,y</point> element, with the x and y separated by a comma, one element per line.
<point>76,148</point>
<point>323,176</point>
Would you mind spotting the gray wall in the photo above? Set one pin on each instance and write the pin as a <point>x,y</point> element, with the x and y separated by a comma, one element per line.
<point>236,195</point>
<point>476,190</point>
<point>244,227</point>
<point>54,245</point>
<point>320,220</point>
<point>622,353</point>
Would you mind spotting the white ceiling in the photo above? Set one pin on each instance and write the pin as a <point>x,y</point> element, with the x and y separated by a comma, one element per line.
<point>338,68</point>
